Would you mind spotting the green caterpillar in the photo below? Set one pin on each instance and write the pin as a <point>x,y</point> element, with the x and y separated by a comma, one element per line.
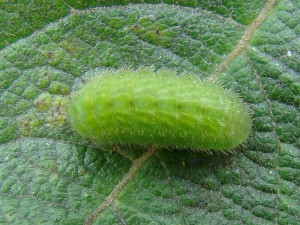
<point>159,108</point>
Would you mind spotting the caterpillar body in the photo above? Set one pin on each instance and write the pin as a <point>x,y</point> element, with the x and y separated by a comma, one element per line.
<point>159,108</point>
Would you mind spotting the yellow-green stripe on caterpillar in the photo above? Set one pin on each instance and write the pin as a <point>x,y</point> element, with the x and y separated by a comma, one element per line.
<point>159,108</point>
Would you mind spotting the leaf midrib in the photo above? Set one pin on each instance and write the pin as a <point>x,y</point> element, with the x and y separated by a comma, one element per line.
<point>138,163</point>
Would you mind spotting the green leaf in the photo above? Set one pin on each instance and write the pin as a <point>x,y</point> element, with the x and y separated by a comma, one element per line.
<point>49,175</point>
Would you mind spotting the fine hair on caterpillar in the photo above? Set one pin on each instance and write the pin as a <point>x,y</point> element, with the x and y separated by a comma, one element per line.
<point>143,107</point>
